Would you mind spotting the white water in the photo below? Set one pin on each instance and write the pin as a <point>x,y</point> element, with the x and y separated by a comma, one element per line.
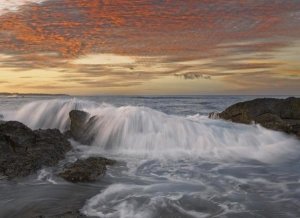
<point>49,113</point>
<point>178,166</point>
<point>141,131</point>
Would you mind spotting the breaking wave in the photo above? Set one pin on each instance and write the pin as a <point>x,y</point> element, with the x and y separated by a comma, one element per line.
<point>177,166</point>
<point>142,131</point>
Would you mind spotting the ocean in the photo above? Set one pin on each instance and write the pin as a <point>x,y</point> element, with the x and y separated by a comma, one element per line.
<point>173,161</point>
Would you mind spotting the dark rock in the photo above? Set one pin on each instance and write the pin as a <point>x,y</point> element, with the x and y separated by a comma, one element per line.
<point>277,114</point>
<point>86,170</point>
<point>23,151</point>
<point>17,135</point>
<point>82,126</point>
<point>78,121</point>
<point>68,134</point>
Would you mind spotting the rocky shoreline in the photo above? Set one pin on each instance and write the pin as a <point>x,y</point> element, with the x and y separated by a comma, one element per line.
<point>276,114</point>
<point>24,151</point>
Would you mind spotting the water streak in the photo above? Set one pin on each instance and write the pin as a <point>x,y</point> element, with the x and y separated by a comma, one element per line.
<point>142,131</point>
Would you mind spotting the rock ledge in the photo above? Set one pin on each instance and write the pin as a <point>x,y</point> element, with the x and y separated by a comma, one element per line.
<point>276,114</point>
<point>24,151</point>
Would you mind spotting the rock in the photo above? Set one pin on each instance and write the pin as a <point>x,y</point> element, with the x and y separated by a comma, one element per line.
<point>277,114</point>
<point>82,126</point>
<point>16,135</point>
<point>68,134</point>
<point>23,151</point>
<point>78,122</point>
<point>86,170</point>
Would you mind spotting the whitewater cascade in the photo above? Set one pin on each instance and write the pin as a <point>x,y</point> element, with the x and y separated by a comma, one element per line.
<point>145,132</point>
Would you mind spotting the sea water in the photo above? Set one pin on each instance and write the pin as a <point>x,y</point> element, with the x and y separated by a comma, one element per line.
<point>172,161</point>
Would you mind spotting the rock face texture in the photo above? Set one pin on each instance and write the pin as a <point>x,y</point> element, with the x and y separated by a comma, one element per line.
<point>24,151</point>
<point>276,114</point>
<point>86,170</point>
<point>82,126</point>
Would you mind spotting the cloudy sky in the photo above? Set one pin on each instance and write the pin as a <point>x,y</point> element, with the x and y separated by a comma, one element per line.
<point>150,46</point>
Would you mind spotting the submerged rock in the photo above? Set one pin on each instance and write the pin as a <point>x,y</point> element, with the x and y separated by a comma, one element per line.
<point>82,126</point>
<point>276,114</point>
<point>24,151</point>
<point>86,170</point>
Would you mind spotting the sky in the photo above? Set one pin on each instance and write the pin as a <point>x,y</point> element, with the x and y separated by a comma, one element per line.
<point>150,47</point>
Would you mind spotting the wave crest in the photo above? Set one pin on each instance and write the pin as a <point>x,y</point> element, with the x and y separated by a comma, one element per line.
<point>145,132</point>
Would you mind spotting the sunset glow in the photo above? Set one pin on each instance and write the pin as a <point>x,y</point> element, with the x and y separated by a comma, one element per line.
<point>150,47</point>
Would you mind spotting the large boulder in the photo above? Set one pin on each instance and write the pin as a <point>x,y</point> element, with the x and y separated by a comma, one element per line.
<point>277,114</point>
<point>24,151</point>
<point>17,136</point>
<point>82,126</point>
<point>86,170</point>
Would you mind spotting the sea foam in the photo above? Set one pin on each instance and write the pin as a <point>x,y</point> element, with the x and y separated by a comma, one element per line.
<point>145,132</point>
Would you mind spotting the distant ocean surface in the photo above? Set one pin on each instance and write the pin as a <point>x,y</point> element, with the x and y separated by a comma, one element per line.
<point>177,105</point>
<point>172,161</point>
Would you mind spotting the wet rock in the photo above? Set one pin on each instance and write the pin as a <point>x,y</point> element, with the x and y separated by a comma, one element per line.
<point>24,151</point>
<point>82,126</point>
<point>15,138</point>
<point>277,114</point>
<point>68,134</point>
<point>86,170</point>
<point>78,122</point>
